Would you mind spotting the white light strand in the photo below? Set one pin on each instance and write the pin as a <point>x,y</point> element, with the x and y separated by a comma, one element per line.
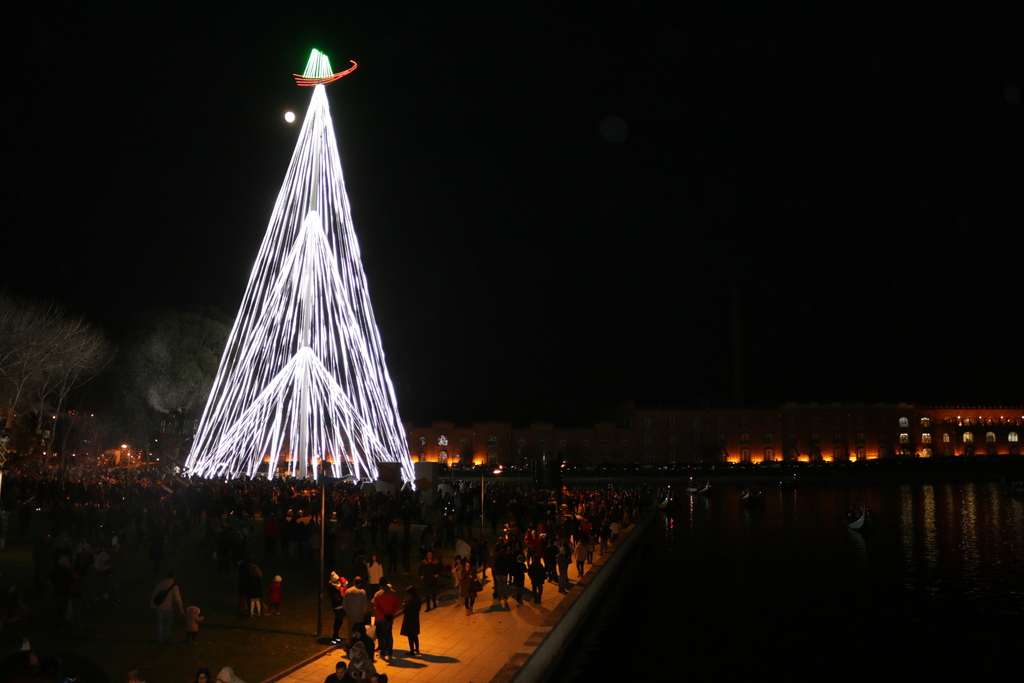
<point>303,377</point>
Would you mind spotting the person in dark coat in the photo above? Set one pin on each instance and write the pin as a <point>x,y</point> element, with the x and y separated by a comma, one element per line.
<point>255,591</point>
<point>537,576</point>
<point>411,620</point>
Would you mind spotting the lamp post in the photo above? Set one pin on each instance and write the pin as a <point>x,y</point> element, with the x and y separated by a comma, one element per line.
<point>497,470</point>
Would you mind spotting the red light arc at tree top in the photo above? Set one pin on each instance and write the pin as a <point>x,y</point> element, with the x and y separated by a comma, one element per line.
<point>318,70</point>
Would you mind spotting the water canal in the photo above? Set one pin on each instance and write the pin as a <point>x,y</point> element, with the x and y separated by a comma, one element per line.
<point>937,587</point>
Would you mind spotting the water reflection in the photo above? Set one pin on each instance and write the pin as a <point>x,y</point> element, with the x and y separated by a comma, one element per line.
<point>937,581</point>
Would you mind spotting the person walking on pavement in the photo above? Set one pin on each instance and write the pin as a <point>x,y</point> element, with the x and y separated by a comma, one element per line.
<point>517,573</point>
<point>564,560</point>
<point>469,586</point>
<point>430,570</point>
<point>537,576</point>
<point>411,620</point>
<point>165,601</point>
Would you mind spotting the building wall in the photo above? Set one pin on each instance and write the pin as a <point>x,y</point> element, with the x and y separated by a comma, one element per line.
<point>805,432</point>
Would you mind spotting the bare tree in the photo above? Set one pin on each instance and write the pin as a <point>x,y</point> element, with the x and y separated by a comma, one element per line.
<point>44,355</point>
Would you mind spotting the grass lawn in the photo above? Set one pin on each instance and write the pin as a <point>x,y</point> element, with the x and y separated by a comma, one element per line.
<point>124,637</point>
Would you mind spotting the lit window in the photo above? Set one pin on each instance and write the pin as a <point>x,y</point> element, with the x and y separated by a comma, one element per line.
<point>904,422</point>
<point>1012,436</point>
<point>968,437</point>
<point>926,437</point>
<point>904,437</point>
<point>442,457</point>
<point>945,438</point>
<point>926,422</point>
<point>990,437</point>
<point>442,440</point>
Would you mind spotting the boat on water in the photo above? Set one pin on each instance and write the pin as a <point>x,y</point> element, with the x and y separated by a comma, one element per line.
<point>859,517</point>
<point>1016,487</point>
<point>695,489</point>
<point>751,497</point>
<point>785,484</point>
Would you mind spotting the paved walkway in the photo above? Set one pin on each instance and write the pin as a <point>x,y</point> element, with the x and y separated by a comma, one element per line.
<point>456,646</point>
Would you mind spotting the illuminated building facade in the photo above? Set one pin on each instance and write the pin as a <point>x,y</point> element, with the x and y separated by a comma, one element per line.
<point>789,432</point>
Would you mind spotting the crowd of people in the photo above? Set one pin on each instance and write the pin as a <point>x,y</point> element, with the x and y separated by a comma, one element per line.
<point>92,519</point>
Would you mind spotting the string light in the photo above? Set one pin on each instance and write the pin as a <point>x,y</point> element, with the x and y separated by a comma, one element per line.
<point>303,377</point>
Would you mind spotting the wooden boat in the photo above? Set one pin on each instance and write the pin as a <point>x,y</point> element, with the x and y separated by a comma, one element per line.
<point>699,489</point>
<point>859,517</point>
<point>751,497</point>
<point>1015,487</point>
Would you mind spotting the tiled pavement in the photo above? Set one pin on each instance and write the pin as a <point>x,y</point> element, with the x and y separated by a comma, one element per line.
<point>457,647</point>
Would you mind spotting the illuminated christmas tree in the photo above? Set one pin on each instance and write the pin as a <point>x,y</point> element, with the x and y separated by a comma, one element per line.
<point>303,378</point>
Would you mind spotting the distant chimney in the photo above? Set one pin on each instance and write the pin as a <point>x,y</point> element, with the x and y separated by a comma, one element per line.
<point>737,352</point>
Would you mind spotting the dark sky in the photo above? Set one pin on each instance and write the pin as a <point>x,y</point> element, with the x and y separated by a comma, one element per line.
<point>555,200</point>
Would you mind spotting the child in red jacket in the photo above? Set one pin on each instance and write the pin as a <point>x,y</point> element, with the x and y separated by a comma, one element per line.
<point>274,596</point>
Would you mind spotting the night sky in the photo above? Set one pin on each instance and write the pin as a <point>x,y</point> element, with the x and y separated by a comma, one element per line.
<point>555,201</point>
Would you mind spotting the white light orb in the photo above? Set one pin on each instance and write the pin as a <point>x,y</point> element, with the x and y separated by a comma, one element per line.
<point>289,116</point>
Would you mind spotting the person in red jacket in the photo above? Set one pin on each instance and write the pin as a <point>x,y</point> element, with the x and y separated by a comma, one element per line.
<point>274,597</point>
<point>385,607</point>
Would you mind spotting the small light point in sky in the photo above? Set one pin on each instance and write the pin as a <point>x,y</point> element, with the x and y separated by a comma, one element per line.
<point>289,116</point>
